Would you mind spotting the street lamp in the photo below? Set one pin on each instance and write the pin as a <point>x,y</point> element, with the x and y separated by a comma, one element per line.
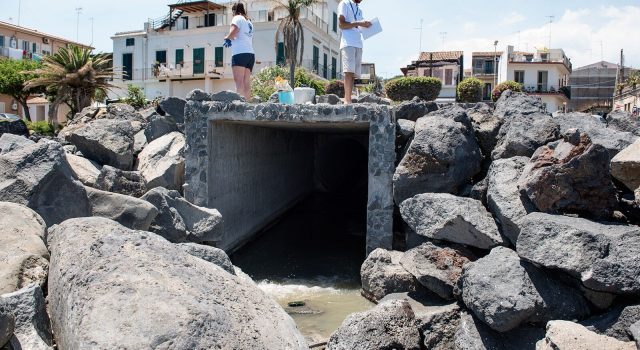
<point>495,64</point>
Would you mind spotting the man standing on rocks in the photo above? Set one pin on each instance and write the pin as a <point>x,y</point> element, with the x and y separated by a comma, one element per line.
<point>351,19</point>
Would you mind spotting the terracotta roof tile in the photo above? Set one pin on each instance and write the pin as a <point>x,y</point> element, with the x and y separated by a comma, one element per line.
<point>441,55</point>
<point>486,53</point>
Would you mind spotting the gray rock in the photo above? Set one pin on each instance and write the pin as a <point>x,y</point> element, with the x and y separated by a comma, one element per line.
<point>273,98</point>
<point>159,126</point>
<point>331,99</point>
<point>404,133</point>
<point>472,334</point>
<point>139,142</point>
<point>381,274</point>
<point>479,191</point>
<point>442,157</point>
<point>371,98</point>
<point>578,172</point>
<point>486,126</point>
<point>436,266</point>
<point>604,257</point>
<point>24,256</point>
<point>415,109</point>
<point>615,323</point>
<point>10,142</point>
<point>226,97</point>
<point>198,95</point>
<point>634,330</point>
<point>505,292</point>
<point>613,140</point>
<point>446,217</point>
<point>39,177</point>
<point>70,149</point>
<point>523,135</point>
<point>11,126</point>
<point>517,104</point>
<point>83,169</point>
<point>106,279</point>
<point>106,141</point>
<point>637,195</point>
<point>565,335</point>
<point>504,199</point>
<point>122,111</point>
<point>181,221</point>
<point>131,212</point>
<point>7,323</point>
<point>390,325</point>
<point>211,254</point>
<point>162,162</point>
<point>130,183</point>
<point>174,107</point>
<point>625,166</point>
<point>32,325</point>
<point>623,121</point>
<point>436,321</point>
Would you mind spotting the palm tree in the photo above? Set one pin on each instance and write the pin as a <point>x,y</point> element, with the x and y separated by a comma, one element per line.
<point>73,76</point>
<point>292,34</point>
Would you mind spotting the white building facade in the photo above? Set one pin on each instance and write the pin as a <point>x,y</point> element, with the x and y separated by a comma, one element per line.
<point>183,51</point>
<point>544,74</point>
<point>444,65</point>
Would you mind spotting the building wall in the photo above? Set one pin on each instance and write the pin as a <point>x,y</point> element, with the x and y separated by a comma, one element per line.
<point>629,100</point>
<point>318,31</point>
<point>557,74</point>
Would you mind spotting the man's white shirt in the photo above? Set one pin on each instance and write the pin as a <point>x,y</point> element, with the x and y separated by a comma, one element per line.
<point>352,13</point>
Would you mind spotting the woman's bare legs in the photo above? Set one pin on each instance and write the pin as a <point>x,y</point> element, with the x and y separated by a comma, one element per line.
<point>238,77</point>
<point>247,84</point>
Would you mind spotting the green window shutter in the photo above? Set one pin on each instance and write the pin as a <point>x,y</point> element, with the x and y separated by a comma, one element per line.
<point>280,59</point>
<point>161,56</point>
<point>335,22</point>
<point>198,61</point>
<point>219,56</point>
<point>334,63</point>
<point>1,41</point>
<point>316,59</point>
<point>127,66</point>
<point>180,56</point>
<point>324,66</point>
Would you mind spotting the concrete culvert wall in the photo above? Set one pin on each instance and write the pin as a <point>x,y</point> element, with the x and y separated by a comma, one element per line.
<point>254,162</point>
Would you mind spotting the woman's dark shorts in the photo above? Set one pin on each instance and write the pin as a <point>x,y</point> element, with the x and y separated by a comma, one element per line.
<point>246,60</point>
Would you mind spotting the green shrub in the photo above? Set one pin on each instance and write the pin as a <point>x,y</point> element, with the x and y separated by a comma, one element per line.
<point>470,90</point>
<point>336,87</point>
<point>135,97</point>
<point>502,87</point>
<point>41,128</point>
<point>406,88</point>
<point>262,84</point>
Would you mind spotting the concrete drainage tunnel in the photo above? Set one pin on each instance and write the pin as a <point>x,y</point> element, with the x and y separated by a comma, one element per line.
<point>296,201</point>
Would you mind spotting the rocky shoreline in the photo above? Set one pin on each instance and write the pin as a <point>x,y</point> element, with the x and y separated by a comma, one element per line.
<point>517,230</point>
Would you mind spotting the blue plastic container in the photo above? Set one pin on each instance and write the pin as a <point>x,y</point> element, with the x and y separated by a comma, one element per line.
<point>286,97</point>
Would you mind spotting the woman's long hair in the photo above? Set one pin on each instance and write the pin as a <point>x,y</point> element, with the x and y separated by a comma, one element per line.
<point>238,9</point>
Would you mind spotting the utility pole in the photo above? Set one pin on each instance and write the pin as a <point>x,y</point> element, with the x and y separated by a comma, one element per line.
<point>551,18</point>
<point>495,63</point>
<point>420,29</point>
<point>19,10</point>
<point>91,19</point>
<point>78,10</point>
<point>444,36</point>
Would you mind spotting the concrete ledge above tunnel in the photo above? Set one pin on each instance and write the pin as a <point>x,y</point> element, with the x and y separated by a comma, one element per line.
<point>254,162</point>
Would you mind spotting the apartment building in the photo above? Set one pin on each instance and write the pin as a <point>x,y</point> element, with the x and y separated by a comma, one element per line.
<point>183,51</point>
<point>18,42</point>
<point>485,68</point>
<point>448,66</point>
<point>544,73</point>
<point>593,87</point>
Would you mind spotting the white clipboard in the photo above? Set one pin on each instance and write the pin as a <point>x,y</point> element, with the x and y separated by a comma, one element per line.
<point>376,28</point>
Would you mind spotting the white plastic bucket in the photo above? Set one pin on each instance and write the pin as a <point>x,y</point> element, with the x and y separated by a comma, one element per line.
<point>304,95</point>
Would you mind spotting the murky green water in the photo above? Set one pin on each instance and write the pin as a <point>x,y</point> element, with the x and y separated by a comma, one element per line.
<point>313,254</point>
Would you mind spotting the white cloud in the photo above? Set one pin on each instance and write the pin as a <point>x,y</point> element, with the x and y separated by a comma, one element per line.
<point>513,18</point>
<point>578,32</point>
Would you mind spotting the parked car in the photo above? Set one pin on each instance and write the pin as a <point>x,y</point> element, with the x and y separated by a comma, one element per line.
<point>6,117</point>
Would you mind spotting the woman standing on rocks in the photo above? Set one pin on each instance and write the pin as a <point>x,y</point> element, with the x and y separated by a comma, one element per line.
<point>243,57</point>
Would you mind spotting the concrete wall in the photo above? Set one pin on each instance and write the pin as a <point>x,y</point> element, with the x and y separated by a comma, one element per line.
<point>251,162</point>
<point>256,174</point>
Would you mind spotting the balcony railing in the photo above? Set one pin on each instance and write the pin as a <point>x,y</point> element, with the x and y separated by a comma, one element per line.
<point>215,70</point>
<point>548,89</point>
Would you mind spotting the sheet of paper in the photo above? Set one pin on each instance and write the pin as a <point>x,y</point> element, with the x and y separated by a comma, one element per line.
<point>376,28</point>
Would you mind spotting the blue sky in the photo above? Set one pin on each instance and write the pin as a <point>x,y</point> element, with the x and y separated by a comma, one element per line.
<point>579,27</point>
